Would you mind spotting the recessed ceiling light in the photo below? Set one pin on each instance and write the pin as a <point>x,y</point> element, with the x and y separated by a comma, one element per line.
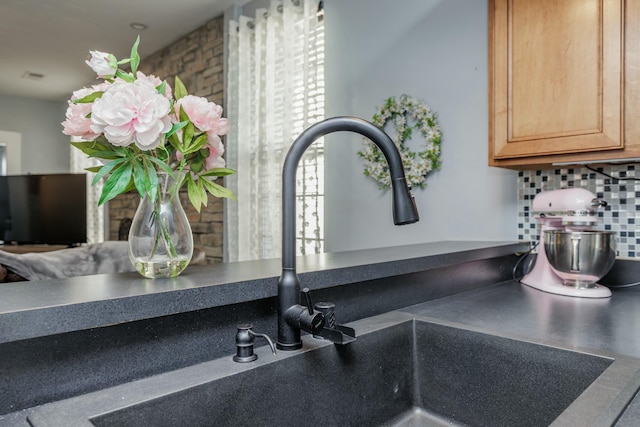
<point>138,26</point>
<point>32,76</point>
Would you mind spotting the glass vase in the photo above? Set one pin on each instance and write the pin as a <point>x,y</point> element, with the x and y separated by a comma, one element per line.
<point>160,238</point>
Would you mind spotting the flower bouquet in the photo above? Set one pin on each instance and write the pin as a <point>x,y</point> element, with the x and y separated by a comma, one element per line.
<point>152,139</point>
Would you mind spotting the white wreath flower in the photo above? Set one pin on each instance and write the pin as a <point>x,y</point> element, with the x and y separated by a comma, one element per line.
<point>417,165</point>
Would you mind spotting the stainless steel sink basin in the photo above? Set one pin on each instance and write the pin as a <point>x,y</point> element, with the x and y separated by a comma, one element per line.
<point>400,372</point>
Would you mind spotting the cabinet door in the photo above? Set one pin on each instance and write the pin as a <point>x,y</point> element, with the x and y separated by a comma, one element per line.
<point>555,77</point>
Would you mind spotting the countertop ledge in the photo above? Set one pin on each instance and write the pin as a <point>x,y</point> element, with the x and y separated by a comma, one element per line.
<point>41,308</point>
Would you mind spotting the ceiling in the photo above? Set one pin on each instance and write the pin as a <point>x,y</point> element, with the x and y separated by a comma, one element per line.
<point>53,38</point>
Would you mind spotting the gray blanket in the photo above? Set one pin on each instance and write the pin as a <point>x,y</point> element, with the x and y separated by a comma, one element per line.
<point>95,258</point>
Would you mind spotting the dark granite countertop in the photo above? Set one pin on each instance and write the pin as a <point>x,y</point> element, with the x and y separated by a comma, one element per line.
<point>41,308</point>
<point>508,308</point>
<point>599,324</point>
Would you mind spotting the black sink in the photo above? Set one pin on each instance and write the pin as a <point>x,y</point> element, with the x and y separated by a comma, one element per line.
<point>401,373</point>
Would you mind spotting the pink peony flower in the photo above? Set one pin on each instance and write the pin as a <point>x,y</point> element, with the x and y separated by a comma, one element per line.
<point>216,150</point>
<point>132,112</point>
<point>77,122</point>
<point>156,82</point>
<point>205,115</point>
<point>100,63</point>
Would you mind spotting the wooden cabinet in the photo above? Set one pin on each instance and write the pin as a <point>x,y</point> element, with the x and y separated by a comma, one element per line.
<point>563,81</point>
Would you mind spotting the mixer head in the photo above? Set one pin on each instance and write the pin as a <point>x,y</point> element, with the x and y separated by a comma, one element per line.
<point>573,207</point>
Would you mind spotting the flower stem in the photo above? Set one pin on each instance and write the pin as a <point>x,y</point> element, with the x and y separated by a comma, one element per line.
<point>162,233</point>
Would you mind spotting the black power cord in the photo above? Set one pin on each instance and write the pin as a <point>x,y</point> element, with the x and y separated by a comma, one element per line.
<point>633,178</point>
<point>523,256</point>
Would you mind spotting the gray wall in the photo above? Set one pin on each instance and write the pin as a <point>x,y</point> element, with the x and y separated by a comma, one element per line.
<point>44,148</point>
<point>436,51</point>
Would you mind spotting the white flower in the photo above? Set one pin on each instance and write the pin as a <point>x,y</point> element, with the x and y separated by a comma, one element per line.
<point>132,112</point>
<point>417,165</point>
<point>103,64</point>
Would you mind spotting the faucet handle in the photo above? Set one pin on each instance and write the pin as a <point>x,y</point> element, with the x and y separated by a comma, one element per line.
<point>304,317</point>
<point>306,295</point>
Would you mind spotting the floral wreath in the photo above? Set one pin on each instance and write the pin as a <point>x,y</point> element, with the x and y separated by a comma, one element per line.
<point>417,165</point>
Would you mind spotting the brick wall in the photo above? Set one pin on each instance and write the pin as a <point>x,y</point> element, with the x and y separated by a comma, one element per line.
<point>198,60</point>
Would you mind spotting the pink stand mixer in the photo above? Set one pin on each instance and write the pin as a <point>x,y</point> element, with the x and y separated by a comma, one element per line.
<point>572,256</point>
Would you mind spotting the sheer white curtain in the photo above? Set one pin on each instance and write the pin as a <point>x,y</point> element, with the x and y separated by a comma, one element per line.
<point>95,214</point>
<point>275,90</point>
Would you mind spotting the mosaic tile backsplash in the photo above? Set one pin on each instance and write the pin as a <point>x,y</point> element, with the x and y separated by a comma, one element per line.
<point>620,189</point>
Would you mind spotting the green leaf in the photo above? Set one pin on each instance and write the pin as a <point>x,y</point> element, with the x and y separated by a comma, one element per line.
<point>187,135</point>
<point>197,163</point>
<point>174,141</point>
<point>116,184</point>
<point>113,62</point>
<point>106,155</point>
<point>197,194</point>
<point>152,181</point>
<point>135,58</point>
<point>89,98</point>
<point>88,147</point>
<point>106,169</point>
<point>218,190</point>
<point>179,91</point>
<point>196,144</point>
<point>165,167</point>
<point>183,115</point>
<point>218,172</point>
<point>176,127</point>
<point>127,77</point>
<point>163,152</point>
<point>100,150</point>
<point>139,177</point>
<point>162,87</point>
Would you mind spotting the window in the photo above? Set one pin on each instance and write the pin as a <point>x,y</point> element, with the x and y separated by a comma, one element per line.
<point>275,90</point>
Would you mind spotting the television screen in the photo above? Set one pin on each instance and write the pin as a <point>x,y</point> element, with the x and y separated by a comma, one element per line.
<point>44,209</point>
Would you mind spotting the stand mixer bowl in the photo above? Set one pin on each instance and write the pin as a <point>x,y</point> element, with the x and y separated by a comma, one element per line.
<point>580,258</point>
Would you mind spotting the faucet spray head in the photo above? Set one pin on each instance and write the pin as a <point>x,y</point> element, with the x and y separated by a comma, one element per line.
<point>404,205</point>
